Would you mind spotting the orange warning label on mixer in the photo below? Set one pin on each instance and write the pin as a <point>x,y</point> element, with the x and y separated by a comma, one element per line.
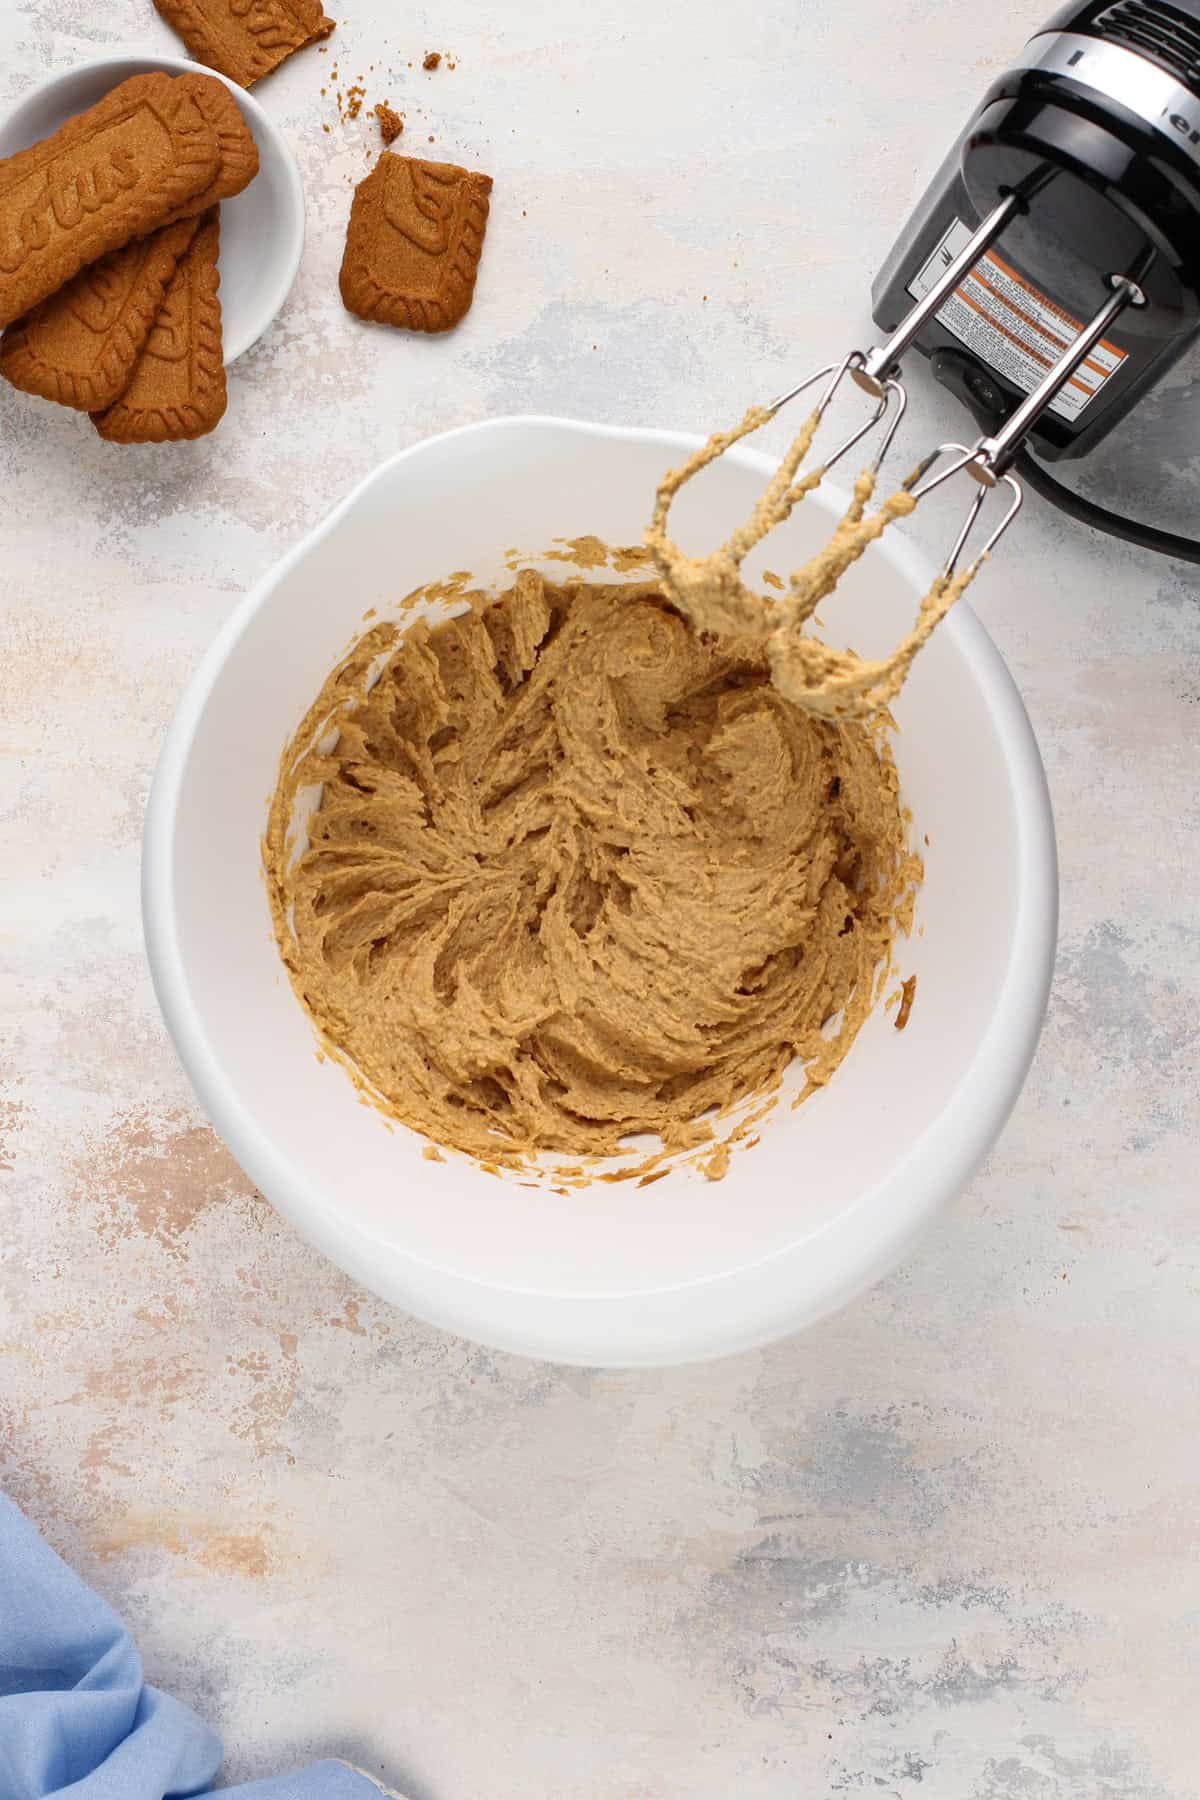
<point>1011,326</point>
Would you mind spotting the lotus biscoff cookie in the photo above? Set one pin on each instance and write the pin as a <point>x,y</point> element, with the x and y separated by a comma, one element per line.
<point>413,246</point>
<point>235,141</point>
<point>80,347</point>
<point>245,39</point>
<point>178,387</point>
<point>114,173</point>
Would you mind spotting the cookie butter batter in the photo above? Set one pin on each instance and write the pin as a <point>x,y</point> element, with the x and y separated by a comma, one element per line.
<point>579,872</point>
<point>829,682</point>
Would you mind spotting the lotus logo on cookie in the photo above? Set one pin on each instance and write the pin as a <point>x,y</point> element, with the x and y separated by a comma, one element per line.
<point>63,204</point>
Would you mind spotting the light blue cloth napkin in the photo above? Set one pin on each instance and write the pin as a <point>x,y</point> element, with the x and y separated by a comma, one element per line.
<point>77,1722</point>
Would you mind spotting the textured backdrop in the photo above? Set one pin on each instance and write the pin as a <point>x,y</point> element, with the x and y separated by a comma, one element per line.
<point>942,1547</point>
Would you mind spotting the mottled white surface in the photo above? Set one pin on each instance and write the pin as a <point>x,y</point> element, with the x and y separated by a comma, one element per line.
<point>945,1544</point>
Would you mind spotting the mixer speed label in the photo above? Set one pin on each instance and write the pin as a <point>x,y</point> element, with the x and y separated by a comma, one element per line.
<point>1013,327</point>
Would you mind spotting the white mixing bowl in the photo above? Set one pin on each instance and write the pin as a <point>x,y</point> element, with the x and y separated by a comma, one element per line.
<point>613,1274</point>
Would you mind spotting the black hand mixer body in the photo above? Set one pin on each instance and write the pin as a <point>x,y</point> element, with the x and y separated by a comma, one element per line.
<point>1093,138</point>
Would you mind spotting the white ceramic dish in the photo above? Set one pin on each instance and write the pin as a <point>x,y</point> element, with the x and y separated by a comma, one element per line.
<point>262,228</point>
<point>612,1275</point>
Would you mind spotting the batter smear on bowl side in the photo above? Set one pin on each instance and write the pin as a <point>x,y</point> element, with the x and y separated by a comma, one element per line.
<point>579,871</point>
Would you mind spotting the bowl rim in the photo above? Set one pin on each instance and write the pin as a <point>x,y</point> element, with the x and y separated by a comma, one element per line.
<point>264,127</point>
<point>756,1301</point>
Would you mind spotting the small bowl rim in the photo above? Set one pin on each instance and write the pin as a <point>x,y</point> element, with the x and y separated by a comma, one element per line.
<point>264,128</point>
<point>764,1298</point>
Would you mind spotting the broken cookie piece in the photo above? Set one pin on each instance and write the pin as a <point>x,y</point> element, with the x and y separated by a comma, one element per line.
<point>414,242</point>
<point>245,39</point>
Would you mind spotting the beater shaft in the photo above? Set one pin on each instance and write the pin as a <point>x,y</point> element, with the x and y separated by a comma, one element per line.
<point>883,361</point>
<point>997,451</point>
<point>989,458</point>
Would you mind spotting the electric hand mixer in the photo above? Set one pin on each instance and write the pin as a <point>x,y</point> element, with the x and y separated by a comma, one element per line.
<point>1051,274</point>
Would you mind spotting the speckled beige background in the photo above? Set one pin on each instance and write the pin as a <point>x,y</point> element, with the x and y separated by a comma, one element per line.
<point>943,1547</point>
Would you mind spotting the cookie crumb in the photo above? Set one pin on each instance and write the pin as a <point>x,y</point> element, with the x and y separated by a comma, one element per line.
<point>433,59</point>
<point>390,122</point>
<point>354,100</point>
